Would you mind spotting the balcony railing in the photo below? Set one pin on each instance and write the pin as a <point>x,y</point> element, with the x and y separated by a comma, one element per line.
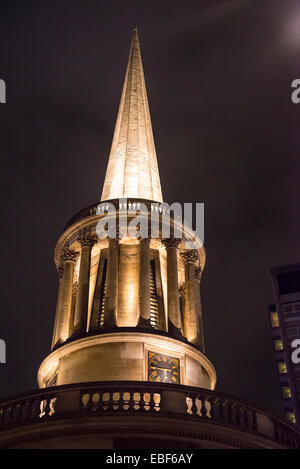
<point>120,205</point>
<point>143,398</point>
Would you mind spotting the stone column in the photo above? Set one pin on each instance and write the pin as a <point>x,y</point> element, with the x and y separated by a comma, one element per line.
<point>72,314</point>
<point>182,299</point>
<point>111,293</point>
<point>174,317</point>
<point>68,258</point>
<point>198,274</point>
<point>190,317</point>
<point>60,273</point>
<point>82,300</point>
<point>144,283</point>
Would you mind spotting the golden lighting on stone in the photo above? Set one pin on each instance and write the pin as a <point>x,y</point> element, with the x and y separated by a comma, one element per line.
<point>123,282</point>
<point>132,169</point>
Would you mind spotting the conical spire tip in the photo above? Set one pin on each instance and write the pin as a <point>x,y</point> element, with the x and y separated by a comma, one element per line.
<point>132,170</point>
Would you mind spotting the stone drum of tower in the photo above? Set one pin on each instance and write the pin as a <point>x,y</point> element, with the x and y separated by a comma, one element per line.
<point>129,305</point>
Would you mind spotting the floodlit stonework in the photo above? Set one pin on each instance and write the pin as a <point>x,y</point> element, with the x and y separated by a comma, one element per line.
<point>127,367</point>
<point>132,167</point>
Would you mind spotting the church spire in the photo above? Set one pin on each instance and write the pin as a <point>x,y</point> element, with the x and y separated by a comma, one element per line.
<point>132,169</point>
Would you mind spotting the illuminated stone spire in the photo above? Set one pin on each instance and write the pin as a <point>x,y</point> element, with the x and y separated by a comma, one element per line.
<point>132,169</point>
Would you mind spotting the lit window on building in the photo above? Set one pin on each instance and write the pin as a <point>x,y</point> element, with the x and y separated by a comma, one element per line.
<point>282,367</point>
<point>278,345</point>
<point>274,319</point>
<point>286,392</point>
<point>291,417</point>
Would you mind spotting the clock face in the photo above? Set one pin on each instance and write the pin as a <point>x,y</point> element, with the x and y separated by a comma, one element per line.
<point>163,369</point>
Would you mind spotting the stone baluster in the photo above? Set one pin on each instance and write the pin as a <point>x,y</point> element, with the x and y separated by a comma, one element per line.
<point>82,299</point>
<point>190,316</point>
<point>174,316</point>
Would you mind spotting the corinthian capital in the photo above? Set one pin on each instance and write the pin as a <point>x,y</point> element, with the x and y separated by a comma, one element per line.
<point>85,239</point>
<point>69,255</point>
<point>171,242</point>
<point>189,256</point>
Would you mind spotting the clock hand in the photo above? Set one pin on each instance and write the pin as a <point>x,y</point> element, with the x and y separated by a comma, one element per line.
<point>160,368</point>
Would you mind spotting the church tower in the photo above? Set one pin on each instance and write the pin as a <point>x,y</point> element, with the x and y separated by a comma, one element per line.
<point>129,305</point>
<point>127,368</point>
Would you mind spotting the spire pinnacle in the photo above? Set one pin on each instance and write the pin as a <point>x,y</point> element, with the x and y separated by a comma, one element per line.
<point>132,169</point>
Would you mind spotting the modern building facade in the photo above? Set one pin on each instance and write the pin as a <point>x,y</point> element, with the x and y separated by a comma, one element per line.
<point>285,325</point>
<point>128,367</point>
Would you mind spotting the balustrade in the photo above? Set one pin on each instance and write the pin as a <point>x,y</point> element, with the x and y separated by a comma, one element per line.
<point>133,398</point>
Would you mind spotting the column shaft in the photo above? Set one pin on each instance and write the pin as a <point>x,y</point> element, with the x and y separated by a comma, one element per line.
<point>65,301</point>
<point>190,316</point>
<point>190,320</point>
<point>111,294</point>
<point>174,316</point>
<point>200,341</point>
<point>82,300</point>
<point>55,336</point>
<point>144,283</point>
<point>73,305</point>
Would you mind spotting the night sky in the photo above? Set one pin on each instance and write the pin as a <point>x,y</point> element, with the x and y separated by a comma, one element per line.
<point>218,77</point>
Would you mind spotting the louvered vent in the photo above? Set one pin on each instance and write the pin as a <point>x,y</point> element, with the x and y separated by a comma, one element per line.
<point>100,317</point>
<point>154,311</point>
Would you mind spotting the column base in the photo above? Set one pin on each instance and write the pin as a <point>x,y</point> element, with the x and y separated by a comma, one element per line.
<point>174,331</point>
<point>77,333</point>
<point>144,323</point>
<point>109,319</point>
